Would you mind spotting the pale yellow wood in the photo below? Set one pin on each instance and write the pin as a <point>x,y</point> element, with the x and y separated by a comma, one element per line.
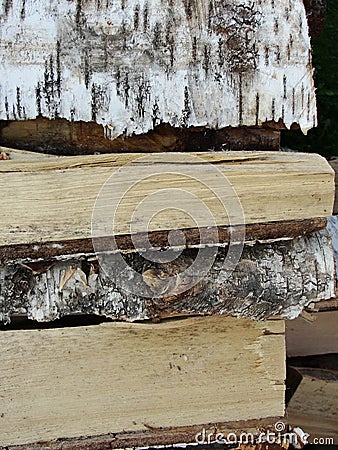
<point>314,408</point>
<point>115,377</point>
<point>53,199</point>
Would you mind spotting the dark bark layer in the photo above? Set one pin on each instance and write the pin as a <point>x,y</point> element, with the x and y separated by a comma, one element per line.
<point>278,278</point>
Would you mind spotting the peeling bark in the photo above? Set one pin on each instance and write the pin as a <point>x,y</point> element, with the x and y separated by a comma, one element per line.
<point>270,279</point>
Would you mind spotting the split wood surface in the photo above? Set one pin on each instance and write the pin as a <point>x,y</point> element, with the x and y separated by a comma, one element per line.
<point>117,378</point>
<point>52,199</point>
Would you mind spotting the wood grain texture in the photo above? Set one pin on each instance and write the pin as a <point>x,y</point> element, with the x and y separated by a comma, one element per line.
<point>133,64</point>
<point>114,378</point>
<point>279,278</point>
<point>314,407</point>
<point>53,199</point>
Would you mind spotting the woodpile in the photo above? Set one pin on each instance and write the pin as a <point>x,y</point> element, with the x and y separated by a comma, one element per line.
<point>148,265</point>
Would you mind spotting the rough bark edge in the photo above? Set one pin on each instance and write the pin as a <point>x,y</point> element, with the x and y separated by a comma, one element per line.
<point>272,231</point>
<point>153,437</point>
<point>62,137</point>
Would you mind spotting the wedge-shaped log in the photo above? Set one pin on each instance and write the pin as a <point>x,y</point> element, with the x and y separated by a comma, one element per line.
<point>117,378</point>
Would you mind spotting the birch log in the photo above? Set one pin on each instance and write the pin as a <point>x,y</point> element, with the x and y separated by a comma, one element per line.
<point>133,64</point>
<point>279,278</point>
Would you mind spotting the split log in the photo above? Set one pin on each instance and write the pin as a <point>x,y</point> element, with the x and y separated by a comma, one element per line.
<point>53,199</point>
<point>132,65</point>
<point>279,278</point>
<point>142,383</point>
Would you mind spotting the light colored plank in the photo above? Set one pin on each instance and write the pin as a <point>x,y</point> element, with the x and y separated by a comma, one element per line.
<point>122,377</point>
<point>134,64</point>
<point>53,199</point>
<point>317,337</point>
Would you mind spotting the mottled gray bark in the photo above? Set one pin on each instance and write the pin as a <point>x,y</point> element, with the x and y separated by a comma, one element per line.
<point>278,278</point>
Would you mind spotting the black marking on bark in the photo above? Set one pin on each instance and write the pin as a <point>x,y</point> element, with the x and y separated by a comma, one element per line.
<point>136,17</point>
<point>72,114</point>
<point>24,115</point>
<point>123,31</point>
<point>314,120</point>
<point>96,100</point>
<point>188,8</point>
<point>240,100</point>
<point>210,14</point>
<point>123,4</point>
<point>105,52</point>
<point>257,108</point>
<point>14,113</point>
<point>186,113</point>
<point>8,5</point>
<point>126,89</point>
<point>277,54</point>
<point>18,102</point>
<point>238,24</point>
<point>58,67</point>
<point>287,14</point>
<point>118,81</point>
<point>302,96</point>
<point>273,3</point>
<point>293,101</point>
<point>300,23</point>
<point>38,99</point>
<point>87,70</point>
<point>157,36</point>
<point>194,49</point>
<point>142,96</point>
<point>171,47</point>
<point>288,52</point>
<point>220,52</point>
<point>276,26</point>
<point>156,114</point>
<point>291,40</point>
<point>266,55</point>
<point>273,109</point>
<point>308,106</point>
<point>7,108</point>
<point>206,59</point>
<point>283,113</point>
<point>79,19</point>
<point>284,86</point>
<point>23,10</point>
<point>145,17</point>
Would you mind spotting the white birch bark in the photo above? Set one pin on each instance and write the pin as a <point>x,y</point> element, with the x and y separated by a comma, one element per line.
<point>132,64</point>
